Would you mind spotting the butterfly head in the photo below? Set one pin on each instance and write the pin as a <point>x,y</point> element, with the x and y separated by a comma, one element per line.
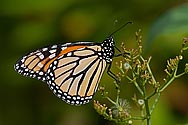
<point>108,49</point>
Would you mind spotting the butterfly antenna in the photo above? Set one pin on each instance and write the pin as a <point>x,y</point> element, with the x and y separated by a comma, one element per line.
<point>120,28</point>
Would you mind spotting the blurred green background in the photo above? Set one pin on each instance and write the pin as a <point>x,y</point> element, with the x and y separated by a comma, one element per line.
<point>26,25</point>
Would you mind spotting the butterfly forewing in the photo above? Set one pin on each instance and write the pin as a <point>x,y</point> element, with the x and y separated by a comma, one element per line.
<point>36,63</point>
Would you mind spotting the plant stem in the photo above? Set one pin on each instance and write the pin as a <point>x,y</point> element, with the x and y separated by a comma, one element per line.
<point>155,102</point>
<point>166,85</point>
<point>110,100</point>
<point>136,85</point>
<point>139,89</point>
<point>118,93</point>
<point>148,116</point>
<point>170,81</point>
<point>177,76</point>
<point>146,107</point>
<point>156,90</point>
<point>150,72</point>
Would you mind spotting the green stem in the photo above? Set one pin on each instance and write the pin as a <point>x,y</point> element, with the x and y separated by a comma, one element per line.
<point>142,114</point>
<point>167,84</point>
<point>136,85</point>
<point>150,72</point>
<point>174,76</point>
<point>110,100</point>
<point>156,90</point>
<point>170,81</point>
<point>148,116</point>
<point>149,69</point>
<point>177,76</point>
<point>118,94</point>
<point>155,102</point>
<point>146,107</point>
<point>139,89</point>
<point>133,80</point>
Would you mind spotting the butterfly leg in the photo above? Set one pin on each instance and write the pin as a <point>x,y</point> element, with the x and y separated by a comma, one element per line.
<point>118,49</point>
<point>111,74</point>
<point>120,53</point>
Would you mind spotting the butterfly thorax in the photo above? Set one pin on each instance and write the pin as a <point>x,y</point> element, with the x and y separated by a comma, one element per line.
<point>108,49</point>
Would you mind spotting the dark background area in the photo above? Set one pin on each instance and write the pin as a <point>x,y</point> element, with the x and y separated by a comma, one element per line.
<point>26,25</point>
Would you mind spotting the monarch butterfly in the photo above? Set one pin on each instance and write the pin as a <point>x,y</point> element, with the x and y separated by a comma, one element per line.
<point>72,70</point>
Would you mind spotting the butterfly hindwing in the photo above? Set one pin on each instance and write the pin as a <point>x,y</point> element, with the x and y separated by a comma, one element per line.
<point>74,76</point>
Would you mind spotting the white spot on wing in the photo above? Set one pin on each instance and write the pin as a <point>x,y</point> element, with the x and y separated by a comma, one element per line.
<point>58,95</point>
<point>41,73</point>
<point>55,62</point>
<point>54,67</point>
<point>38,54</point>
<point>41,56</point>
<point>44,49</point>
<point>68,101</point>
<point>69,54</point>
<point>81,48</point>
<point>68,43</point>
<point>63,48</point>
<point>54,46</point>
<point>51,74</point>
<point>59,92</point>
<point>52,51</point>
<point>23,60</point>
<point>74,98</point>
<point>77,102</point>
<point>52,56</point>
<point>68,97</point>
<point>78,97</point>
<point>40,65</point>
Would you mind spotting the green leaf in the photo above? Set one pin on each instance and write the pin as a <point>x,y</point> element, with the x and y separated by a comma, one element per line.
<point>170,28</point>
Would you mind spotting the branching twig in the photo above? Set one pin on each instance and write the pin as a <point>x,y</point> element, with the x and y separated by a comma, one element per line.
<point>136,69</point>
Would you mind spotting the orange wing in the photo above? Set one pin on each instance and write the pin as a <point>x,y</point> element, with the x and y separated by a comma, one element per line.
<point>74,77</point>
<point>72,70</point>
<point>35,64</point>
